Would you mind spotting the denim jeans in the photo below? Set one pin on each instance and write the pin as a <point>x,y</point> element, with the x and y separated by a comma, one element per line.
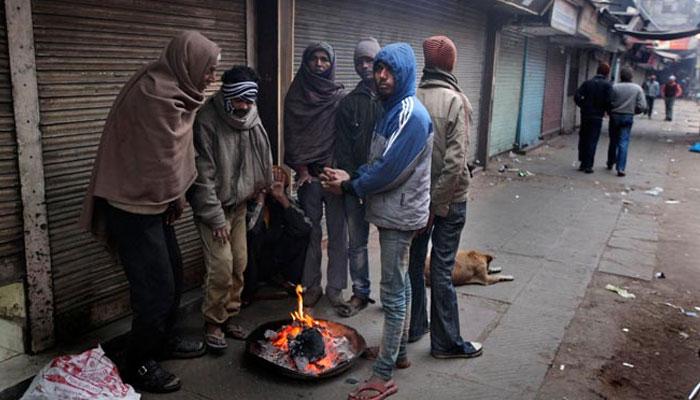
<point>588,140</point>
<point>619,128</point>
<point>312,199</point>
<point>445,334</point>
<point>395,295</point>
<point>358,234</point>
<point>416,265</point>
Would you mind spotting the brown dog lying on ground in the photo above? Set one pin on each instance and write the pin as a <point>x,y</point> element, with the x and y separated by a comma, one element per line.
<point>471,267</point>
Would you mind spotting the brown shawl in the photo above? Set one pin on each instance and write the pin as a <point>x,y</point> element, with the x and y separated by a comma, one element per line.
<point>309,112</point>
<point>146,154</point>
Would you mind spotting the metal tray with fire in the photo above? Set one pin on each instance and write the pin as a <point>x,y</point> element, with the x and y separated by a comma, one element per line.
<point>304,347</point>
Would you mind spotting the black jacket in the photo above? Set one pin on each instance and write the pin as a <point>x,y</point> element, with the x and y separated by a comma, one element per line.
<point>594,97</point>
<point>354,121</point>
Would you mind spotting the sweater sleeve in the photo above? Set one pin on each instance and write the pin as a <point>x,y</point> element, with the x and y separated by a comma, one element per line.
<point>394,166</point>
<point>202,195</point>
<point>641,101</point>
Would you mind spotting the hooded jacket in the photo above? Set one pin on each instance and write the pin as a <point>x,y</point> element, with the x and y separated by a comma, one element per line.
<point>233,161</point>
<point>450,112</point>
<point>396,181</point>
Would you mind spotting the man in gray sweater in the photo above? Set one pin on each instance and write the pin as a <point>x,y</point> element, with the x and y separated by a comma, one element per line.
<point>627,100</point>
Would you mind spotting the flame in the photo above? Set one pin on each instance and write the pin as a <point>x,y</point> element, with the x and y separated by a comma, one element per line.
<point>299,315</point>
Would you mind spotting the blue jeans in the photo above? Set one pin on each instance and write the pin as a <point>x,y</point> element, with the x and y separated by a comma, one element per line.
<point>445,334</point>
<point>619,128</point>
<point>358,234</point>
<point>395,295</point>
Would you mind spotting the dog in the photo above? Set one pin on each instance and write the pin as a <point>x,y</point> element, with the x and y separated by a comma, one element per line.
<point>472,267</point>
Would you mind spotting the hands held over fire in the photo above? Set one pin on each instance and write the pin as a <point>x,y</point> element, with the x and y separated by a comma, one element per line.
<point>332,179</point>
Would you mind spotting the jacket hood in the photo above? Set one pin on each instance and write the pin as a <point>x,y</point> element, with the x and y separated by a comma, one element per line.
<point>401,59</point>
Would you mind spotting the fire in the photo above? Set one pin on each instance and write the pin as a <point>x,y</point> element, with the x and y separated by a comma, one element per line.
<point>299,315</point>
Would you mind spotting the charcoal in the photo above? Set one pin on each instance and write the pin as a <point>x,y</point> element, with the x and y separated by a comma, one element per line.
<point>308,344</point>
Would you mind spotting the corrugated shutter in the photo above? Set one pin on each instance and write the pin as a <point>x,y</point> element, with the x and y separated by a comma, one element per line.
<point>506,101</point>
<point>554,90</point>
<point>85,51</point>
<point>533,92</point>
<point>343,23</point>
<point>11,221</point>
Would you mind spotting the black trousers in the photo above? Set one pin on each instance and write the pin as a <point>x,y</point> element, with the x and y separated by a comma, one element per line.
<point>150,255</point>
<point>588,140</point>
<point>650,106</point>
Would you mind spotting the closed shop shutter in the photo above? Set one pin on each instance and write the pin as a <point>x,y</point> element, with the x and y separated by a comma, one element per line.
<point>11,222</point>
<point>554,90</point>
<point>533,92</point>
<point>506,100</point>
<point>343,23</point>
<point>85,51</point>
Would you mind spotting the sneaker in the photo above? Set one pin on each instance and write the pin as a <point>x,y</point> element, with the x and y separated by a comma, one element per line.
<point>609,167</point>
<point>151,377</point>
<point>181,348</point>
<point>312,295</point>
<point>471,350</point>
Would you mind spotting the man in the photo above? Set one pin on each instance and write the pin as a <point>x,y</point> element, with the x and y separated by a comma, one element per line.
<point>396,187</point>
<point>309,139</point>
<point>234,165</point>
<point>355,120</point>
<point>277,242</point>
<point>670,91</point>
<point>145,163</point>
<point>628,100</point>
<point>593,98</point>
<point>450,112</point>
<point>651,91</point>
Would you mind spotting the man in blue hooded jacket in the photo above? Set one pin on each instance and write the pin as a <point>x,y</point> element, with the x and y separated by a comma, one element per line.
<point>396,187</point>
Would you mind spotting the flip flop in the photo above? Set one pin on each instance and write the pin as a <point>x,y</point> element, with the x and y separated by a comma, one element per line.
<point>215,342</point>
<point>234,331</point>
<point>383,390</point>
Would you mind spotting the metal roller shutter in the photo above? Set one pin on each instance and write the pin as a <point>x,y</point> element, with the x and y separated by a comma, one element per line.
<point>509,72</point>
<point>343,23</point>
<point>85,51</point>
<point>530,120</point>
<point>554,91</point>
<point>11,220</point>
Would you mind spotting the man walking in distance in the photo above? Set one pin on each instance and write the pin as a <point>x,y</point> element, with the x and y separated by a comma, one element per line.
<point>450,112</point>
<point>651,92</point>
<point>593,98</point>
<point>355,120</point>
<point>628,100</point>
<point>671,90</point>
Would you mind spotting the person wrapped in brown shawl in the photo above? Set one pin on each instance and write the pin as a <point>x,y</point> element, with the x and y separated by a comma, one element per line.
<point>145,163</point>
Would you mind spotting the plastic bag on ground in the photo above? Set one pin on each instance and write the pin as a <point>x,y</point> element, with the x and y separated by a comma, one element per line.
<point>89,375</point>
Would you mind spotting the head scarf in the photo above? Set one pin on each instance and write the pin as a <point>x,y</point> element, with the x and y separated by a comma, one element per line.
<point>309,112</point>
<point>246,90</point>
<point>146,152</point>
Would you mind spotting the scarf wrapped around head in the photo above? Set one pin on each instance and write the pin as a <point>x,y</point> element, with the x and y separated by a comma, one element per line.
<point>146,152</point>
<point>246,90</point>
<point>309,112</point>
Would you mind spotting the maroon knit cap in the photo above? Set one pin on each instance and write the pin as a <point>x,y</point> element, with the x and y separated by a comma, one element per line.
<point>439,52</point>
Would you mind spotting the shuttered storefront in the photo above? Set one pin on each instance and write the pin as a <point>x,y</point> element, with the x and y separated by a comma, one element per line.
<point>506,100</point>
<point>343,23</point>
<point>11,221</point>
<point>530,124</point>
<point>554,90</point>
<point>85,51</point>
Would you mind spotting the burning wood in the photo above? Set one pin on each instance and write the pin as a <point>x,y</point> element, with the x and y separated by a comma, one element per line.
<point>306,345</point>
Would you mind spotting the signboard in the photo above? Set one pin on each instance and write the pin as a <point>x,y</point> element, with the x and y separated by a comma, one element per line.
<point>591,27</point>
<point>564,17</point>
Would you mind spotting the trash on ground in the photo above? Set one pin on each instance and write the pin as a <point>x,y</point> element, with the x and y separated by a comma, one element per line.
<point>673,160</point>
<point>691,314</point>
<point>627,202</point>
<point>597,182</point>
<point>672,202</point>
<point>697,308</point>
<point>622,292</point>
<point>694,392</point>
<point>517,196</point>
<point>606,194</point>
<point>511,154</point>
<point>679,308</point>
<point>524,173</point>
<point>503,168</point>
<point>625,330</point>
<point>683,335</point>
<point>695,148</point>
<point>352,381</point>
<point>88,375</point>
<point>669,141</point>
<point>660,275</point>
<point>628,365</point>
<point>655,191</point>
<point>561,367</point>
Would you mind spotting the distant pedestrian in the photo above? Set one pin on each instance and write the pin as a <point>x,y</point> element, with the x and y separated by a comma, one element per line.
<point>235,165</point>
<point>357,114</point>
<point>450,112</point>
<point>651,92</point>
<point>593,98</point>
<point>145,164</point>
<point>671,90</point>
<point>309,139</point>
<point>628,100</point>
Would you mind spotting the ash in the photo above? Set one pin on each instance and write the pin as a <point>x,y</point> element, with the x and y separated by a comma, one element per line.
<point>311,352</point>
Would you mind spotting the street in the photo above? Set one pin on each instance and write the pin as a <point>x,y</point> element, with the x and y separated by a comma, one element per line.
<point>555,332</point>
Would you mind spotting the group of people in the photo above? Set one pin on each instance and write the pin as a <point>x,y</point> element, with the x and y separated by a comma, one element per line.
<point>388,153</point>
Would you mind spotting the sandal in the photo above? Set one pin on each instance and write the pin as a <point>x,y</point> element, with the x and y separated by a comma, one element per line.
<point>376,390</point>
<point>234,331</point>
<point>352,307</point>
<point>180,348</point>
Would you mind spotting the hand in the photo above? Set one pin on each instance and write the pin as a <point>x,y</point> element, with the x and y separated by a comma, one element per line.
<point>260,197</point>
<point>332,179</point>
<point>303,176</point>
<point>279,194</point>
<point>431,219</point>
<point>221,234</point>
<point>174,210</point>
<point>278,175</point>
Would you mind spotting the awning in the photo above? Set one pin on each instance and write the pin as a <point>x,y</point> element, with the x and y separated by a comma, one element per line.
<point>669,55</point>
<point>661,35</point>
